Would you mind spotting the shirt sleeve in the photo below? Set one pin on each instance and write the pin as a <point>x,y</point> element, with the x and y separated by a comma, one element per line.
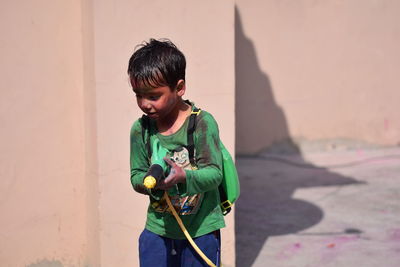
<point>208,157</point>
<point>139,161</point>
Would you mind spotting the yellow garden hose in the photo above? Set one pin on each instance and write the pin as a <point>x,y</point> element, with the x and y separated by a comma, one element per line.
<point>182,226</point>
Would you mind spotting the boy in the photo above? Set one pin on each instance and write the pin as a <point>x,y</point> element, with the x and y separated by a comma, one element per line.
<point>157,75</point>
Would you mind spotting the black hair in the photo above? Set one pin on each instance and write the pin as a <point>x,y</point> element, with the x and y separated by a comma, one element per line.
<point>157,63</point>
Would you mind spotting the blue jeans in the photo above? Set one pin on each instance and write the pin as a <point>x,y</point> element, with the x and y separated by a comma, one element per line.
<point>158,251</point>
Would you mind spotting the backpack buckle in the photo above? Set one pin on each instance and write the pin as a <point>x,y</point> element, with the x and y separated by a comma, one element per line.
<point>226,205</point>
<point>196,112</point>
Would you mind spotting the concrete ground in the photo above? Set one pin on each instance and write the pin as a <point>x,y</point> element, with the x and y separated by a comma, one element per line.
<point>331,208</point>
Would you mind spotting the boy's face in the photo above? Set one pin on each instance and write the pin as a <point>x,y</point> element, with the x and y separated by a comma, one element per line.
<point>158,102</point>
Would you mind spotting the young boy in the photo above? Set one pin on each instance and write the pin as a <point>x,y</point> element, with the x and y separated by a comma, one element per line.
<point>157,76</point>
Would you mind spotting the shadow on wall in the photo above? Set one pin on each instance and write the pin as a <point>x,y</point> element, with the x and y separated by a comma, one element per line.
<point>259,120</point>
<point>266,206</point>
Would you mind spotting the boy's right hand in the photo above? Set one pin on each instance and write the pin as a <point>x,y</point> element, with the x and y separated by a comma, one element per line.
<point>141,189</point>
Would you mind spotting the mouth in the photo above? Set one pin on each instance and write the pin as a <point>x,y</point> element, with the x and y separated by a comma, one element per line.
<point>152,114</point>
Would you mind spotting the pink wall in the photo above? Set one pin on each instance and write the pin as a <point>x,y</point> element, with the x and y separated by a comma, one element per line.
<point>204,31</point>
<point>66,112</point>
<point>42,160</point>
<point>317,70</point>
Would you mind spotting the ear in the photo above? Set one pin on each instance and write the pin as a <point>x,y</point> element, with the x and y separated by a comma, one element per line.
<point>181,88</point>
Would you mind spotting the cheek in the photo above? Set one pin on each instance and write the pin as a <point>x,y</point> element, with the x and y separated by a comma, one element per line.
<point>171,101</point>
<point>139,102</point>
<point>162,104</point>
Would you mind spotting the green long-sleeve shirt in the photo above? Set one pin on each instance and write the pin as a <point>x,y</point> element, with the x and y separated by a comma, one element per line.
<point>197,200</point>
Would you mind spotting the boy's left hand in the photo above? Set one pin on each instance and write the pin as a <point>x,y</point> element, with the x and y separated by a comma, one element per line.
<point>175,176</point>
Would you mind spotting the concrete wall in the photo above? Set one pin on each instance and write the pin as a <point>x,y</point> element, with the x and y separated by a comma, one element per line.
<point>42,159</point>
<point>310,69</point>
<point>204,31</point>
<point>66,112</point>
<point>317,70</point>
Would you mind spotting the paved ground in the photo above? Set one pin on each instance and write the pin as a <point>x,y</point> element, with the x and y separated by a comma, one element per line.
<point>337,208</point>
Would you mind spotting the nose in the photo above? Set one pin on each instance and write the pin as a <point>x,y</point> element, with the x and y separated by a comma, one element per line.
<point>145,104</point>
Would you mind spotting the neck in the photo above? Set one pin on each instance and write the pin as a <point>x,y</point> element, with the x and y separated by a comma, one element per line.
<point>175,119</point>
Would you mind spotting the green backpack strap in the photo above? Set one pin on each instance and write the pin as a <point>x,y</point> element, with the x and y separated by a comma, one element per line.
<point>225,203</point>
<point>146,141</point>
<point>190,134</point>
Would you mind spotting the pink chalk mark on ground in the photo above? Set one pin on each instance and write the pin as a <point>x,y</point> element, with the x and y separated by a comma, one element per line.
<point>345,239</point>
<point>394,235</point>
<point>331,245</point>
<point>289,251</point>
<point>386,124</point>
<point>335,246</point>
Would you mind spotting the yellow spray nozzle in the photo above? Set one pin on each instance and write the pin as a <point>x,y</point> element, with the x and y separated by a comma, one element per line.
<point>149,182</point>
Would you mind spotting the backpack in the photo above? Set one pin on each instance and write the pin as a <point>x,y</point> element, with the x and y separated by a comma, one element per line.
<point>229,189</point>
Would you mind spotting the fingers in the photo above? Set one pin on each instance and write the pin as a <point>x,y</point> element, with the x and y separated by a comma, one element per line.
<point>176,175</point>
<point>141,189</point>
<point>170,162</point>
<point>163,186</point>
<point>169,179</point>
<point>168,182</point>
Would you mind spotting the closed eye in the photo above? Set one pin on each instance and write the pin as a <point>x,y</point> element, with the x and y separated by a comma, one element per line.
<point>154,97</point>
